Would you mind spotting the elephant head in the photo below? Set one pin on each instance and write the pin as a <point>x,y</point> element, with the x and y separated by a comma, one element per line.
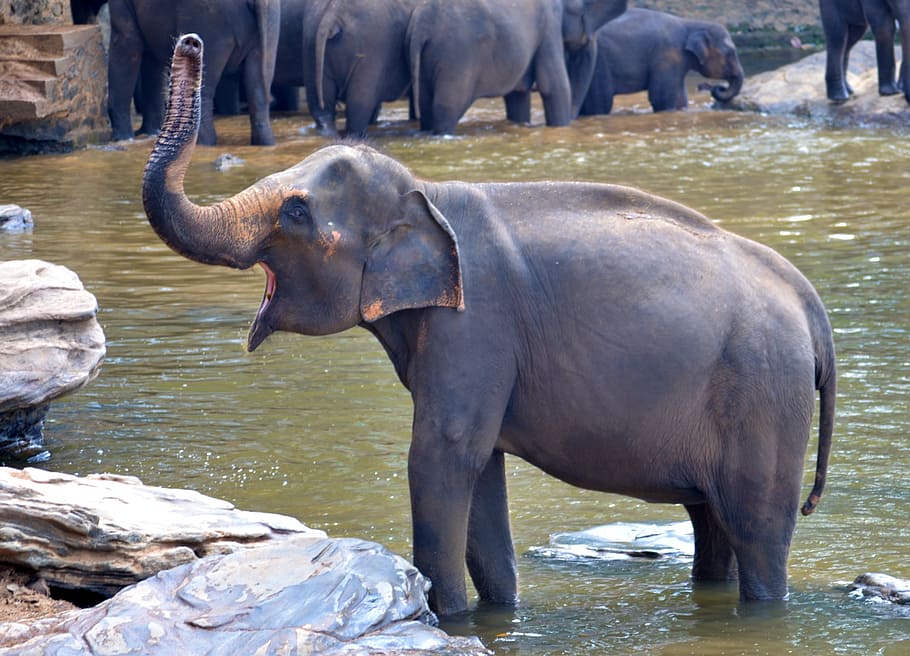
<point>342,239</point>
<point>712,46</point>
<point>580,20</point>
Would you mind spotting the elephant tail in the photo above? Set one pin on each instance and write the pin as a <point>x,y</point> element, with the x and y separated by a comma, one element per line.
<point>416,39</point>
<point>826,383</point>
<point>268,15</point>
<point>328,28</point>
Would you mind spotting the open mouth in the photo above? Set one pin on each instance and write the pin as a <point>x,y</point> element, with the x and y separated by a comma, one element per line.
<point>260,328</point>
<point>269,290</point>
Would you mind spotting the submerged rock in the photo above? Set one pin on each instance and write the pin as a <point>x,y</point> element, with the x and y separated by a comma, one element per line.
<point>50,345</point>
<point>881,586</point>
<point>799,89</point>
<point>621,541</point>
<point>15,219</point>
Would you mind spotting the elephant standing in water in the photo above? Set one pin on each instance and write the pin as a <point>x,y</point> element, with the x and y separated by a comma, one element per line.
<point>354,52</point>
<point>650,50</point>
<point>614,339</point>
<point>844,23</point>
<point>462,51</point>
<point>242,37</point>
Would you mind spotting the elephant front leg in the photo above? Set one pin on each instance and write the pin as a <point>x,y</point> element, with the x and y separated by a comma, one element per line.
<point>258,99</point>
<point>714,557</point>
<point>440,501</point>
<point>490,552</point>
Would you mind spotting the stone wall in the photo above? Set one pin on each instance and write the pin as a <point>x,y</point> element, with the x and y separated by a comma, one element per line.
<point>35,12</point>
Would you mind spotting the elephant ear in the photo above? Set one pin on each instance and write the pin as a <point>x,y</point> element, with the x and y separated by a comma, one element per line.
<point>697,43</point>
<point>414,264</point>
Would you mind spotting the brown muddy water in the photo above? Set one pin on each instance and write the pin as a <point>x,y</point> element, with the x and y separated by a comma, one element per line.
<point>318,428</point>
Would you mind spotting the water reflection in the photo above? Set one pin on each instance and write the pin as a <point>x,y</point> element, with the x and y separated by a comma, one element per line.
<point>318,427</point>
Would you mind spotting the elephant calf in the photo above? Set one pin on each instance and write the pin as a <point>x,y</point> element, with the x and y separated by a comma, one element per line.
<point>614,339</point>
<point>651,51</point>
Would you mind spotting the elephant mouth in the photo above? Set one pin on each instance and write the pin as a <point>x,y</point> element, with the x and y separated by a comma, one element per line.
<point>260,328</point>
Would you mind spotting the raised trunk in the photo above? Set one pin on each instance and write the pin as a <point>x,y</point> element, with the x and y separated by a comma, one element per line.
<point>227,233</point>
<point>727,93</point>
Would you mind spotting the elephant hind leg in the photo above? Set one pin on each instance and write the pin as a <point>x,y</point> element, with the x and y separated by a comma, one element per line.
<point>715,559</point>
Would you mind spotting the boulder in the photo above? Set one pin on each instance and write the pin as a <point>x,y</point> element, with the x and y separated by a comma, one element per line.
<point>101,533</point>
<point>15,219</point>
<point>50,345</point>
<point>881,587</point>
<point>302,595</point>
<point>799,89</point>
<point>216,580</point>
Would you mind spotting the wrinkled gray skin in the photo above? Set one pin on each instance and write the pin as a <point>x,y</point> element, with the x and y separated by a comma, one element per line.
<point>242,37</point>
<point>651,51</point>
<point>354,52</point>
<point>618,341</point>
<point>844,23</point>
<point>461,51</point>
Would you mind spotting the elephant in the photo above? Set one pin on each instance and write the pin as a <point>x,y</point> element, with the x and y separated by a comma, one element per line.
<point>844,23</point>
<point>353,52</point>
<point>243,38</point>
<point>653,51</point>
<point>462,51</point>
<point>616,340</point>
<point>85,12</point>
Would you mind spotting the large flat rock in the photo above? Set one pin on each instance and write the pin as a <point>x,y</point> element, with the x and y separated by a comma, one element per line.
<point>798,89</point>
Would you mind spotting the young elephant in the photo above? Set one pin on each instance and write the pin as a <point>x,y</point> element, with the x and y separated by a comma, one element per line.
<point>616,340</point>
<point>650,50</point>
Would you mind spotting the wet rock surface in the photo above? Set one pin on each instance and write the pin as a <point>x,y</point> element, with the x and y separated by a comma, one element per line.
<point>883,587</point>
<point>621,541</point>
<point>799,90</point>
<point>15,219</point>
<point>50,345</point>
<point>249,583</point>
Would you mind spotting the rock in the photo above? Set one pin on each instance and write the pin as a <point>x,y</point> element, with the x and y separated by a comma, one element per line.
<point>227,161</point>
<point>799,89</point>
<point>50,345</point>
<point>101,533</point>
<point>881,586</point>
<point>217,580</point>
<point>621,541</point>
<point>302,595</point>
<point>15,219</point>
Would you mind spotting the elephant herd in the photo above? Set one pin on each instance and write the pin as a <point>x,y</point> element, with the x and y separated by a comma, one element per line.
<point>577,54</point>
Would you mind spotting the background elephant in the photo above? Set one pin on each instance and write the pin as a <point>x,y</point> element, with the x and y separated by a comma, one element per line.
<point>653,51</point>
<point>844,23</point>
<point>242,37</point>
<point>354,53</point>
<point>461,51</point>
<point>616,340</point>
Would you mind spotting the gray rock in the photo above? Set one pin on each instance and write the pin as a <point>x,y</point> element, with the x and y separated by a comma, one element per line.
<point>881,586</point>
<point>102,533</point>
<point>622,541</point>
<point>250,583</point>
<point>227,161</point>
<point>15,219</point>
<point>50,345</point>
<point>799,89</point>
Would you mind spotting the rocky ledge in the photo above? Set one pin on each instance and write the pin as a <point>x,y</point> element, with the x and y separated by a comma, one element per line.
<point>799,90</point>
<point>212,579</point>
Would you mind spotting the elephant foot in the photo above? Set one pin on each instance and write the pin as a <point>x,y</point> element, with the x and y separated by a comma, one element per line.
<point>838,92</point>
<point>889,89</point>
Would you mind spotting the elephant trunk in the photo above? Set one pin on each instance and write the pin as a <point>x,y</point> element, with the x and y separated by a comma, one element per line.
<point>724,94</point>
<point>227,233</point>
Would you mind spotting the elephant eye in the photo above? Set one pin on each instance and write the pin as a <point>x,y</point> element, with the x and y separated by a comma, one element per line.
<point>296,210</point>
